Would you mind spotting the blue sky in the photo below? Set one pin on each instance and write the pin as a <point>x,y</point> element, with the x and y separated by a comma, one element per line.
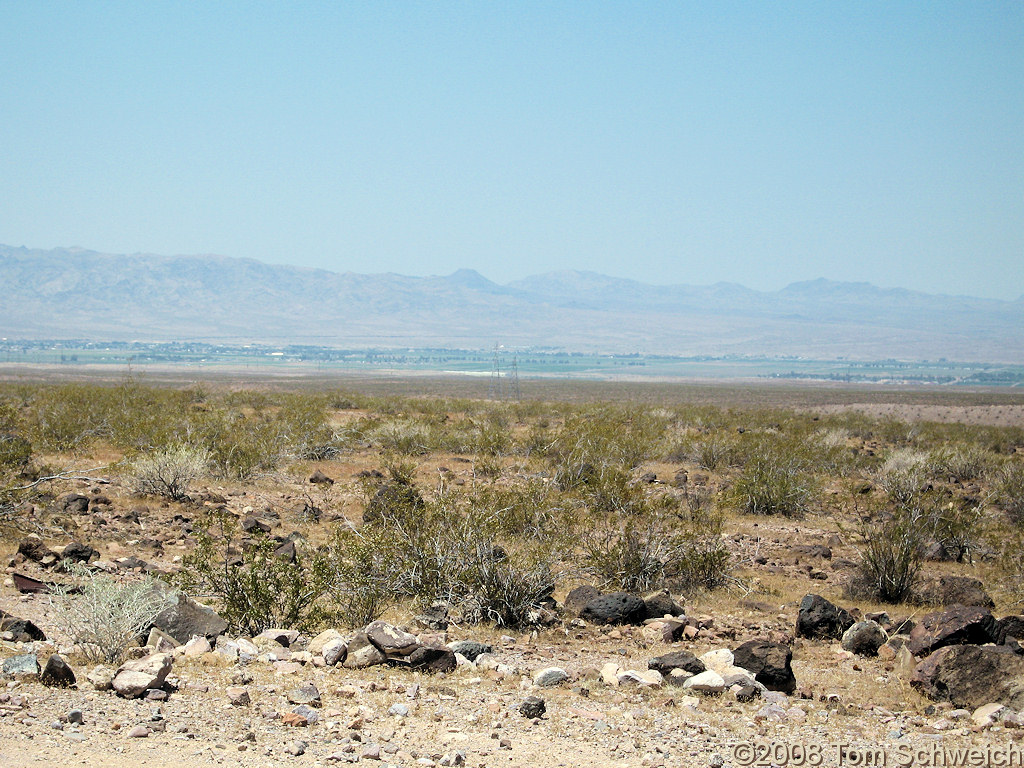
<point>760,143</point>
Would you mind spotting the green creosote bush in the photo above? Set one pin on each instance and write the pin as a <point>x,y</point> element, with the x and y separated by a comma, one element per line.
<point>772,485</point>
<point>363,574</point>
<point>451,549</point>
<point>890,561</point>
<point>1009,490</point>
<point>958,463</point>
<point>170,471</point>
<point>105,616</point>
<point>255,587</point>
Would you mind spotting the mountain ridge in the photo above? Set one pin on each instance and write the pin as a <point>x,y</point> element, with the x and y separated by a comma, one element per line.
<point>79,293</point>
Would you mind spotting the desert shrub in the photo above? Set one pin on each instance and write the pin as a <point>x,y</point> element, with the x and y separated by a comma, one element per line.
<point>105,616</point>
<point>772,485</point>
<point>362,574</point>
<point>68,417</point>
<point>955,526</point>
<point>702,563</point>
<point>591,441</point>
<point>958,462</point>
<point>239,446</point>
<point>890,560</point>
<point>1009,490</point>
<point>303,428</point>
<point>639,541</point>
<point>404,436</point>
<point>255,587</point>
<point>453,550</point>
<point>712,451</point>
<point>902,476</point>
<point>170,471</point>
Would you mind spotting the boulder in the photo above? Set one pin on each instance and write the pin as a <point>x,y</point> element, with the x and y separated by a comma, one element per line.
<point>578,598</point>
<point>971,676</point>
<point>184,618</point>
<point>392,641</point>
<point>319,478</point>
<point>77,552</point>
<point>362,653</point>
<point>471,649</point>
<point>676,660</point>
<point>283,637</point>
<point>550,676</point>
<point>307,694</point>
<point>25,665</point>
<point>75,503</point>
<point>334,652</point>
<point>720,660</point>
<point>33,548</point>
<point>317,644</point>
<point>956,625</point>
<point>770,663</point>
<point>616,608</point>
<point>662,604</point>
<point>865,638</point>
<point>818,618</point>
<point>430,659</point>
<point>954,590</point>
<point>100,677</point>
<point>57,673</point>
<point>1009,627</point>
<point>21,630</point>
<point>134,678</point>
<point>708,681</point>
<point>532,707</point>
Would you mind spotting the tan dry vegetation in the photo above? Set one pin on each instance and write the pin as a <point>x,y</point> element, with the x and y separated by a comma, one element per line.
<point>840,442</point>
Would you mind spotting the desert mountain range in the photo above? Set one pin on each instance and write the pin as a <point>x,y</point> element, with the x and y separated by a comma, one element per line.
<point>80,294</point>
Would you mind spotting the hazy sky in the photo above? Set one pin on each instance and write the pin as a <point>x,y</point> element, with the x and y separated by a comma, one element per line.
<point>760,143</point>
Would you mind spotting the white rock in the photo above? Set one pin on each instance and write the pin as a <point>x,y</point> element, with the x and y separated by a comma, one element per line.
<point>197,646</point>
<point>317,644</point>
<point>610,674</point>
<point>719,661</point>
<point>989,714</point>
<point>134,678</point>
<point>707,681</point>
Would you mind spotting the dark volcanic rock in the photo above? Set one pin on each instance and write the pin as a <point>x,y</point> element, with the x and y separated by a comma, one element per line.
<point>818,618</point>
<point>971,675</point>
<point>770,662</point>
<point>75,503</point>
<point>33,548</point>
<point>77,552</point>
<point>57,673</point>
<point>1009,626</point>
<point>616,608</point>
<point>184,617</point>
<point>578,598</point>
<point>957,625</point>
<point>22,630</point>
<point>430,659</point>
<point>676,660</point>
<point>319,478</point>
<point>533,706</point>
<point>470,648</point>
<point>660,604</point>
<point>955,590</point>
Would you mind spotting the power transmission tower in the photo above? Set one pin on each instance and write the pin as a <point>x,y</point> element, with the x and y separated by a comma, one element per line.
<point>495,391</point>
<point>514,393</point>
